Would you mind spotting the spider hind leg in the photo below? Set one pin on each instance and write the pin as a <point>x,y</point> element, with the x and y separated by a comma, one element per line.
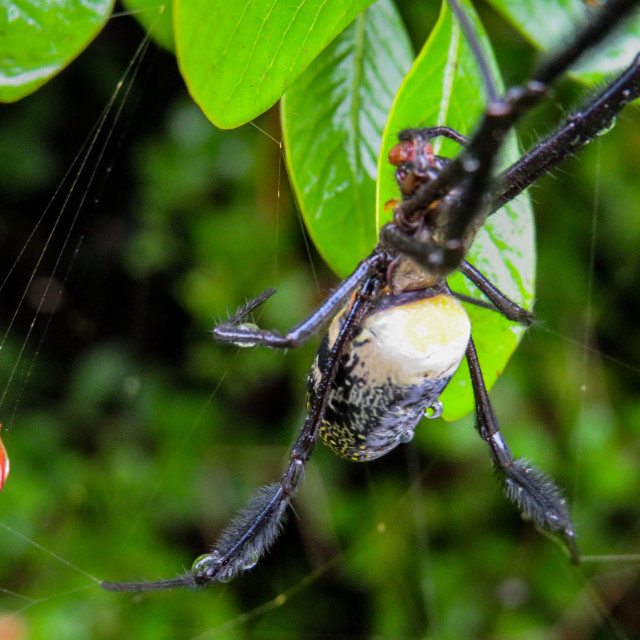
<point>255,528</point>
<point>507,307</point>
<point>539,499</point>
<point>534,493</point>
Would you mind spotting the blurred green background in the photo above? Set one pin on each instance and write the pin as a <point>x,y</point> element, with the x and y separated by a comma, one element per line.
<point>133,437</point>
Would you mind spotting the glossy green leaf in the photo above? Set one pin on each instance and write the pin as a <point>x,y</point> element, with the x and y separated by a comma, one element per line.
<point>238,58</point>
<point>445,87</point>
<point>546,23</point>
<point>41,37</point>
<point>332,120</point>
<point>156,18</point>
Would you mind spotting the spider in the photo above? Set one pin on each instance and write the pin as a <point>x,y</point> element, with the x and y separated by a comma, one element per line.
<point>396,332</point>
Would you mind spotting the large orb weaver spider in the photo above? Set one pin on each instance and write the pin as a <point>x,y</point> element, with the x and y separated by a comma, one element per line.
<point>370,382</point>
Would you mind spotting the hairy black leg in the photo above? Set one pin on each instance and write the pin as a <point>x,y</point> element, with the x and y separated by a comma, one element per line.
<point>471,169</point>
<point>478,53</point>
<point>507,307</point>
<point>254,529</point>
<point>579,129</point>
<point>460,189</point>
<point>534,493</point>
<point>607,18</point>
<point>232,331</point>
<point>433,132</point>
<point>485,304</point>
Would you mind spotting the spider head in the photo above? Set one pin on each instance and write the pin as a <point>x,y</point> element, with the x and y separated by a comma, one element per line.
<point>423,254</point>
<point>416,162</point>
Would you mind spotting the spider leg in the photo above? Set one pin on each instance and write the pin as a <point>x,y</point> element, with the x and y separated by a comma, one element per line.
<point>534,493</point>
<point>243,334</point>
<point>250,306</point>
<point>577,131</point>
<point>254,529</point>
<point>460,189</point>
<point>472,167</point>
<point>433,132</point>
<point>484,304</point>
<point>507,307</point>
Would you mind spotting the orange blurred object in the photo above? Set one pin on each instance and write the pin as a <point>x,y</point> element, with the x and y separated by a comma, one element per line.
<point>4,464</point>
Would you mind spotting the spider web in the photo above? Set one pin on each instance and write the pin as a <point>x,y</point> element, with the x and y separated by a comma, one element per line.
<point>117,407</point>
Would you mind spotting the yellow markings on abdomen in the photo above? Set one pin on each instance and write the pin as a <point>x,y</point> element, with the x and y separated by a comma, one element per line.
<point>429,323</point>
<point>425,337</point>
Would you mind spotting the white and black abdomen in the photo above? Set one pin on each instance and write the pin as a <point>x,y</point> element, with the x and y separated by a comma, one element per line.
<point>402,357</point>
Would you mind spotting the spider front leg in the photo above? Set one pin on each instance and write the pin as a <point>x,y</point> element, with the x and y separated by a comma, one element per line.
<point>534,493</point>
<point>579,129</point>
<point>255,528</point>
<point>248,335</point>
<point>458,196</point>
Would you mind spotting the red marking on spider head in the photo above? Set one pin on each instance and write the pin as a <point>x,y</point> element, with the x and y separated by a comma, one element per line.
<point>402,152</point>
<point>406,151</point>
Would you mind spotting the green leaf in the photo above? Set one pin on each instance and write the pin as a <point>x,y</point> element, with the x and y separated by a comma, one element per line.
<point>41,37</point>
<point>238,58</point>
<point>332,120</point>
<point>445,87</point>
<point>546,23</point>
<point>156,18</point>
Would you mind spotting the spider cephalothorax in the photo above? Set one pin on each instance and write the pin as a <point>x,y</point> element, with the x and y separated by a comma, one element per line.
<point>396,331</point>
<point>418,166</point>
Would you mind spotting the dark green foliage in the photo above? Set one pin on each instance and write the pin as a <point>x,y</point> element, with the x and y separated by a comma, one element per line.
<point>134,438</point>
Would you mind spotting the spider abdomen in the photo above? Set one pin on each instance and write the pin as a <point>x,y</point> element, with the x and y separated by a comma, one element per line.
<point>406,350</point>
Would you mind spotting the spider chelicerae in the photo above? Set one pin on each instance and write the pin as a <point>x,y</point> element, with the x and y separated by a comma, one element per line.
<point>397,332</point>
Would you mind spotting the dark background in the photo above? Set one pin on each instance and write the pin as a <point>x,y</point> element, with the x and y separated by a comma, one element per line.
<point>133,437</point>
